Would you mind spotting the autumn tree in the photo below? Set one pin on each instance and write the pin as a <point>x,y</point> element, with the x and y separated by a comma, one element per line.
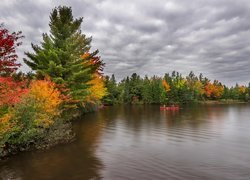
<point>8,57</point>
<point>166,85</point>
<point>11,91</point>
<point>45,102</point>
<point>214,90</point>
<point>97,89</point>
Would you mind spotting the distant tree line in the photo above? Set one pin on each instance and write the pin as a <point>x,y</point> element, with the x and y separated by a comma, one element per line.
<point>171,89</point>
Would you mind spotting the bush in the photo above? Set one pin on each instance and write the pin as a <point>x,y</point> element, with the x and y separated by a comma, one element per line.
<point>34,119</point>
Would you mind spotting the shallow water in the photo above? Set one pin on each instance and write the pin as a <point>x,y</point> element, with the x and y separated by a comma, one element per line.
<point>142,142</point>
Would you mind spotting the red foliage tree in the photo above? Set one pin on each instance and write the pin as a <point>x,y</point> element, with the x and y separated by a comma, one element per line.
<point>8,56</point>
<point>11,91</point>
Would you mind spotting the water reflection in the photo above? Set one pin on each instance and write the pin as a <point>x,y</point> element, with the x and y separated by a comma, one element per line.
<point>72,161</point>
<point>142,142</point>
<point>194,143</point>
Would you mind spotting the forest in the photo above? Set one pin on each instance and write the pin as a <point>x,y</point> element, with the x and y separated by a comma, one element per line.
<point>67,80</point>
<point>172,89</point>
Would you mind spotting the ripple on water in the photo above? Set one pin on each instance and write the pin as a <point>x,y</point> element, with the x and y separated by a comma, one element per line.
<point>141,142</point>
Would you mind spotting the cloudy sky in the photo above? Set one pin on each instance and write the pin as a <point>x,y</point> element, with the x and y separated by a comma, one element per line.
<point>151,36</point>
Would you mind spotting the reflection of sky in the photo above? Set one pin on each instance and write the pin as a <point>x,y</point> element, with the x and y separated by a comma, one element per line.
<point>198,142</point>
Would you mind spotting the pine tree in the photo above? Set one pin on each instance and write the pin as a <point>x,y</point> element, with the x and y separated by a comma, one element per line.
<point>113,92</point>
<point>146,91</point>
<point>61,54</point>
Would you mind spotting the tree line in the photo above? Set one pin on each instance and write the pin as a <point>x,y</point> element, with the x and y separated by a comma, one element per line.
<point>171,89</point>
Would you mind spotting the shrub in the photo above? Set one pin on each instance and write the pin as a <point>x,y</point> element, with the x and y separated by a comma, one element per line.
<point>30,121</point>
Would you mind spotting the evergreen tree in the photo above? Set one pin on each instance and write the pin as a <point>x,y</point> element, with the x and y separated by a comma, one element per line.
<point>126,92</point>
<point>112,89</point>
<point>62,54</point>
<point>157,90</point>
<point>135,87</point>
<point>146,91</point>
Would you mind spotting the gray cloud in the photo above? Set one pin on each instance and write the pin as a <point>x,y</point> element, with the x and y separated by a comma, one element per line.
<point>151,36</point>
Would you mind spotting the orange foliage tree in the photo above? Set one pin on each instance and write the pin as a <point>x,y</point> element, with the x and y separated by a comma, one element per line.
<point>166,85</point>
<point>47,101</point>
<point>214,90</point>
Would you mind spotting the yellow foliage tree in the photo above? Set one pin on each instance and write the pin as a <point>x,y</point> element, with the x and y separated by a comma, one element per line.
<point>198,87</point>
<point>97,89</point>
<point>242,89</point>
<point>48,100</point>
<point>5,125</point>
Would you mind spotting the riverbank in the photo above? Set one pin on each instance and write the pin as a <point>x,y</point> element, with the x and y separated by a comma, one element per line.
<point>57,134</point>
<point>16,136</point>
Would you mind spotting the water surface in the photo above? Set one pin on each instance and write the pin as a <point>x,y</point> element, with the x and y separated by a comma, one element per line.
<point>142,142</point>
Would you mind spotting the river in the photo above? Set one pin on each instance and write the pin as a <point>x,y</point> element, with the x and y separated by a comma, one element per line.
<point>142,142</point>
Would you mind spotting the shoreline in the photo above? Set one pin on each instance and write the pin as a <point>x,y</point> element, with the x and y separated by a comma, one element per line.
<point>53,137</point>
<point>222,102</point>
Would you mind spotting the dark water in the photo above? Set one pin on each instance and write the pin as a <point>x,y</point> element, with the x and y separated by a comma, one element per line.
<point>141,142</point>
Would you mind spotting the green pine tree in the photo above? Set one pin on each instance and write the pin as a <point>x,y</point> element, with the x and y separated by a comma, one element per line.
<point>113,92</point>
<point>146,91</point>
<point>59,55</point>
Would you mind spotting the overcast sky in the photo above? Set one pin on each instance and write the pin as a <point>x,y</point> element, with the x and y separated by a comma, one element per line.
<point>151,36</point>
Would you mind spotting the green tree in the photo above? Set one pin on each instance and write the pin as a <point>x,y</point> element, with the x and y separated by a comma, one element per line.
<point>146,91</point>
<point>135,88</point>
<point>61,54</point>
<point>158,90</point>
<point>112,89</point>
